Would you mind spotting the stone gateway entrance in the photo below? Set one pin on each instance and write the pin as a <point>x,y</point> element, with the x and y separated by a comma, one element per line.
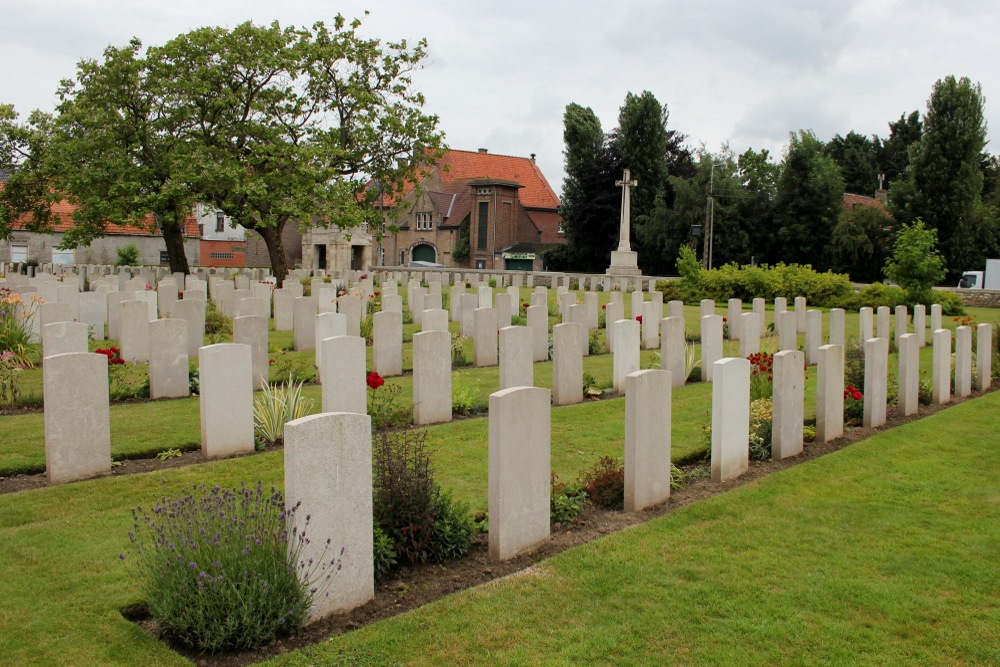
<point>423,253</point>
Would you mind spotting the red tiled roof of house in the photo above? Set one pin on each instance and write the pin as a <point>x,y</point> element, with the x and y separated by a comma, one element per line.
<point>851,200</point>
<point>63,221</point>
<point>468,165</point>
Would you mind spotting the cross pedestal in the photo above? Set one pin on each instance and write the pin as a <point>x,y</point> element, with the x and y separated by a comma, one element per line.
<point>624,261</point>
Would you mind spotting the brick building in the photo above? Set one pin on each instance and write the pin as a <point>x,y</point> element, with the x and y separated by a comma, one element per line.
<point>499,207</point>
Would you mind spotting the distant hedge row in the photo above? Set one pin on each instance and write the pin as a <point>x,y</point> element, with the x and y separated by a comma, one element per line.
<point>823,290</point>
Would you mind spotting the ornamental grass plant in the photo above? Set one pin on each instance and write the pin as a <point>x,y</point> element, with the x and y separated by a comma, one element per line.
<point>277,405</point>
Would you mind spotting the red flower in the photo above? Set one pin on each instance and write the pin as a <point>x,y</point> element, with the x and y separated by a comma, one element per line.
<point>270,362</point>
<point>638,318</point>
<point>856,395</point>
<point>374,380</point>
<point>377,293</point>
<point>725,319</point>
<point>604,307</point>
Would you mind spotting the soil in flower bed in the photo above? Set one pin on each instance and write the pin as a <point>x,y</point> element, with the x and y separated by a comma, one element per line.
<point>409,588</point>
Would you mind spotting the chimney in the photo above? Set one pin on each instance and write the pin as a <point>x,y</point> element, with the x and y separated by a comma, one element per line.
<point>484,150</point>
<point>532,158</point>
<point>882,195</point>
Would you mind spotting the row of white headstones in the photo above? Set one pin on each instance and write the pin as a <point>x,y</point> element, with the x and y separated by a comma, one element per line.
<point>328,456</point>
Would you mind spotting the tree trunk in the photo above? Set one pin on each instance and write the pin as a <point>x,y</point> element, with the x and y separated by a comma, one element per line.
<point>173,234</point>
<point>276,251</point>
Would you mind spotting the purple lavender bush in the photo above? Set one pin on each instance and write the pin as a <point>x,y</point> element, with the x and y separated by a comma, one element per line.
<point>219,569</point>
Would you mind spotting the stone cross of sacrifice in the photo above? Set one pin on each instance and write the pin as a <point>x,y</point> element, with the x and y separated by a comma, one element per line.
<point>626,184</point>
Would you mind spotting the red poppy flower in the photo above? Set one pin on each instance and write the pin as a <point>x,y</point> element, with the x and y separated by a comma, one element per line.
<point>374,380</point>
<point>725,319</point>
<point>638,318</point>
<point>604,307</point>
<point>856,395</point>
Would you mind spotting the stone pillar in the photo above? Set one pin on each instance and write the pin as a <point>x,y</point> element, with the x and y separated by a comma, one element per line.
<point>484,341</point>
<point>387,340</point>
<point>626,357</point>
<point>135,330</point>
<point>516,367</point>
<point>759,307</point>
<point>814,335</point>
<point>567,364</point>
<point>613,312</point>
<point>519,471</point>
<point>168,359</point>
<point>431,377</point>
<point>984,356</point>
<point>963,361</point>
<point>901,320</point>
<point>504,309</point>
<point>455,302</point>
<point>730,419</point>
<point>935,317</point>
<point>866,328</point>
<point>650,329</point>
<point>343,370</point>
<point>226,399</point>
<point>192,311</point>
<point>788,339</point>
<point>941,366</point>
<point>327,325</point>
<point>749,334</point>
<point>920,324</point>
<point>673,350</point>
<point>707,307</point>
<point>876,380</point>
<point>647,438</point>
<point>830,393</point>
<point>64,338</point>
<point>908,397</point>
<point>538,322</point>
<point>305,322</point>
<point>328,469</point>
<point>837,328</point>
<point>252,330</point>
<point>711,345</point>
<point>94,312</point>
<point>352,307</point>
<point>800,314</point>
<point>577,312</point>
<point>734,312</point>
<point>77,417</point>
<point>883,323</point>
<point>788,406</point>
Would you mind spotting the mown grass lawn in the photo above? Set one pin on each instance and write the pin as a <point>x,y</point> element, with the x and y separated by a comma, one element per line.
<point>884,552</point>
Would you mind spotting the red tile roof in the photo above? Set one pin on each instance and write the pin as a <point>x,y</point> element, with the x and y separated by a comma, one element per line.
<point>467,165</point>
<point>852,200</point>
<point>63,221</point>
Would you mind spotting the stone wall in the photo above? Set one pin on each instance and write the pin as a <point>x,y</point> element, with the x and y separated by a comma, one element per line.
<point>977,298</point>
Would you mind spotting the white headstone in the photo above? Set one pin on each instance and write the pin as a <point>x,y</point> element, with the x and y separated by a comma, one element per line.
<point>730,419</point>
<point>77,417</point>
<point>226,399</point>
<point>647,438</point>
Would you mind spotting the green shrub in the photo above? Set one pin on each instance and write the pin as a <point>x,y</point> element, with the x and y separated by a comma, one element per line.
<point>128,255</point>
<point>604,483</point>
<point>594,343</point>
<point>422,522</point>
<point>383,552</point>
<point>915,264</point>
<point>760,429</point>
<point>566,501</point>
<point>672,290</point>
<point>951,303</point>
<point>768,282</point>
<point>306,285</point>
<point>458,350</point>
<point>218,570</point>
<point>383,404</point>
<point>216,322</point>
<point>464,399</point>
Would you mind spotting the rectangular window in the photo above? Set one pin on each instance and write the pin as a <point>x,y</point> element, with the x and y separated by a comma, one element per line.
<point>402,257</point>
<point>423,221</point>
<point>220,221</point>
<point>18,253</point>
<point>221,255</point>
<point>484,224</point>
<point>164,259</point>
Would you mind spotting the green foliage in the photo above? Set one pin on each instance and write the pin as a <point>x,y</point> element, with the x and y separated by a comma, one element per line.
<point>216,322</point>
<point>594,343</point>
<point>10,379</point>
<point>424,523</point>
<point>16,317</point>
<point>566,502</point>
<point>275,406</point>
<point>128,255</point>
<point>384,407</point>
<point>218,568</point>
<point>383,553</point>
<point>945,182</point>
<point>915,264</point>
<point>856,155</point>
<point>128,381</point>
<point>604,483</point>
<point>460,253</point>
<point>760,429</point>
<point>951,303</point>
<point>464,397</point>
<point>297,367</point>
<point>761,376</point>
<point>789,281</point>
<point>861,242</point>
<point>458,350</point>
<point>854,363</point>
<point>810,192</point>
<point>689,268</point>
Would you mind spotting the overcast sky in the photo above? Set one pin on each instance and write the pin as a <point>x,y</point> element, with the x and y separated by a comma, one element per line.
<point>500,75</point>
